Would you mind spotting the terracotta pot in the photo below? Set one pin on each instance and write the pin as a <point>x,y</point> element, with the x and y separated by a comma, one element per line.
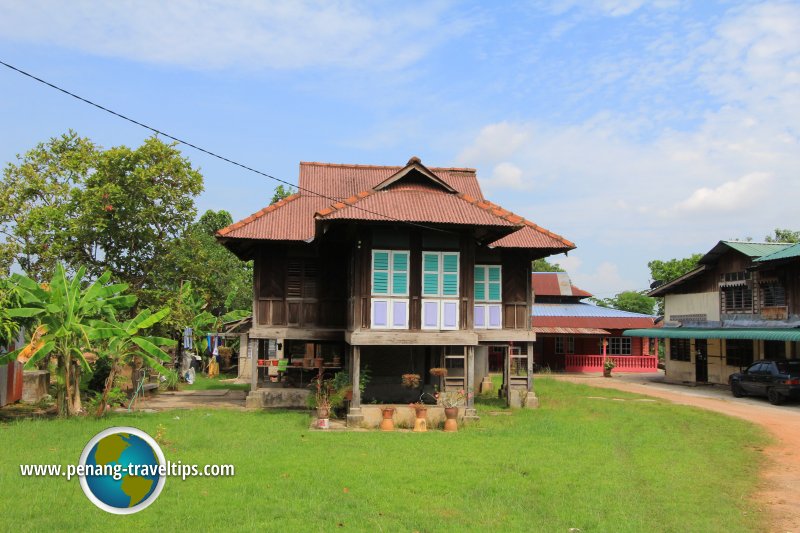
<point>451,415</point>
<point>387,424</point>
<point>421,422</point>
<point>348,396</point>
<point>318,362</point>
<point>323,412</point>
<point>606,373</point>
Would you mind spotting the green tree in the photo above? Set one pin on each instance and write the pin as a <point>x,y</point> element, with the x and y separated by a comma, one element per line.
<point>542,265</point>
<point>9,327</point>
<point>126,343</point>
<point>783,235</point>
<point>282,192</point>
<point>665,271</point>
<point>35,203</point>
<point>222,279</point>
<point>117,209</point>
<point>67,315</point>
<point>632,301</point>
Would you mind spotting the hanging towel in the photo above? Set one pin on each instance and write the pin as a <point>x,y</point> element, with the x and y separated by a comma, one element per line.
<point>187,339</point>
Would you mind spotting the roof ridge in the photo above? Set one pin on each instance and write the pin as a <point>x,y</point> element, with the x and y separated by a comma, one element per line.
<point>354,165</point>
<point>258,214</point>
<point>760,242</point>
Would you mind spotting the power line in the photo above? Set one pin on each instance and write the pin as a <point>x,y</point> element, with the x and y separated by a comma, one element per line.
<point>209,152</point>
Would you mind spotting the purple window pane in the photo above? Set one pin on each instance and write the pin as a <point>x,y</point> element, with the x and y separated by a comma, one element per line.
<point>380,310</point>
<point>494,316</point>
<point>431,314</point>
<point>399,313</point>
<point>450,312</point>
<point>480,316</point>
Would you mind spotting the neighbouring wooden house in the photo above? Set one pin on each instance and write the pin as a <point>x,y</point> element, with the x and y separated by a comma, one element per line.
<point>741,304</point>
<point>571,334</point>
<point>394,269</point>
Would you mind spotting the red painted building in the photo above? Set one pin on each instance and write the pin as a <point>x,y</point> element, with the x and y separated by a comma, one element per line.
<point>570,333</point>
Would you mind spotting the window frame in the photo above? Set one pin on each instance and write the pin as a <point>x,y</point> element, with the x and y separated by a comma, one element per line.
<point>487,283</point>
<point>391,271</point>
<point>621,343</point>
<point>676,350</point>
<point>440,274</point>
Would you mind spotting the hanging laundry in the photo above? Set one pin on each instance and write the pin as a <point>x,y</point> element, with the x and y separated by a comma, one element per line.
<point>187,339</point>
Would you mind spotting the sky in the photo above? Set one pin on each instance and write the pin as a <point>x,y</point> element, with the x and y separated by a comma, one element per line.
<point>638,130</point>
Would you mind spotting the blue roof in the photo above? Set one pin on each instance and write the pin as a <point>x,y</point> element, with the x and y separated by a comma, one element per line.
<point>582,309</point>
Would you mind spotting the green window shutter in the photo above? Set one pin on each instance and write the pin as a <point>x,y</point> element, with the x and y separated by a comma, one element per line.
<point>480,273</point>
<point>430,284</point>
<point>430,262</point>
<point>400,273</point>
<point>494,292</point>
<point>480,291</point>
<point>380,272</point>
<point>450,263</point>
<point>450,284</point>
<point>494,273</point>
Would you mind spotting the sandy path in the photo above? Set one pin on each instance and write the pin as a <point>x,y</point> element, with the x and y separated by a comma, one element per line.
<point>779,490</point>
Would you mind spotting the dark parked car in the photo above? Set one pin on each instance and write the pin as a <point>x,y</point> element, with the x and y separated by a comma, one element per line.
<point>777,380</point>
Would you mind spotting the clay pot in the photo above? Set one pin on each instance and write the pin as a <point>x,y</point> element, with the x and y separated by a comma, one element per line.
<point>387,424</point>
<point>451,415</point>
<point>318,361</point>
<point>421,421</point>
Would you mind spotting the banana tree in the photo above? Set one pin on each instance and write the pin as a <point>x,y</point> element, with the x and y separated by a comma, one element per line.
<point>66,314</point>
<point>126,343</point>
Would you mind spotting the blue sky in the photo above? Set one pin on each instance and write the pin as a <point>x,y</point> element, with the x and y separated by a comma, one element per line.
<point>638,130</point>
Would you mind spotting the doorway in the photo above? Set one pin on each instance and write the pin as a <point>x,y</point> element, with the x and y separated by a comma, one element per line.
<point>701,360</point>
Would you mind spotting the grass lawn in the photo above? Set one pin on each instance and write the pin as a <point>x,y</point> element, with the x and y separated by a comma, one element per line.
<point>203,382</point>
<point>577,462</point>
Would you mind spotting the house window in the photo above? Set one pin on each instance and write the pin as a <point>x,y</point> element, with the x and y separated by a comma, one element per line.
<point>390,272</point>
<point>301,278</point>
<point>565,345</point>
<point>738,352</point>
<point>737,298</point>
<point>488,285</point>
<point>773,295</point>
<point>619,346</point>
<point>440,314</point>
<point>389,284</point>
<point>440,274</point>
<point>680,350</point>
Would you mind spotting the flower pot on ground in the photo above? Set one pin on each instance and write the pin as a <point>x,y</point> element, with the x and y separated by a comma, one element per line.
<point>387,424</point>
<point>451,419</point>
<point>421,416</point>
<point>608,366</point>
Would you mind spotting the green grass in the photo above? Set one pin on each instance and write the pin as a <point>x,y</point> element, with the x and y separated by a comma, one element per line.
<point>600,465</point>
<point>202,382</point>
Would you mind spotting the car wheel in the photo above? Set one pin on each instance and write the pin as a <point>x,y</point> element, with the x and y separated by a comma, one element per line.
<point>774,397</point>
<point>737,390</point>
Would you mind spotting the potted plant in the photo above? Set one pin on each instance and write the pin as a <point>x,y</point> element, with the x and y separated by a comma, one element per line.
<point>420,416</point>
<point>450,400</point>
<point>225,353</point>
<point>608,366</point>
<point>410,381</point>
<point>387,423</point>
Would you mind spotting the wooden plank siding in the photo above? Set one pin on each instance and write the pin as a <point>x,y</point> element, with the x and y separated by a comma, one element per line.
<point>328,284</point>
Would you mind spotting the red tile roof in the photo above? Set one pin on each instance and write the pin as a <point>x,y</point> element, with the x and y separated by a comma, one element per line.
<point>411,198</point>
<point>547,284</point>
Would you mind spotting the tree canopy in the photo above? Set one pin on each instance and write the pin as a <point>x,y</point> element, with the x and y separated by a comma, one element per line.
<point>543,265</point>
<point>633,301</point>
<point>783,235</point>
<point>670,269</point>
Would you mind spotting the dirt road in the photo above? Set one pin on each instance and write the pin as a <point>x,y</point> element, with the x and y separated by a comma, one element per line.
<point>779,489</point>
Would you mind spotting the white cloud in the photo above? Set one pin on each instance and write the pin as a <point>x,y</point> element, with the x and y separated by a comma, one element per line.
<point>244,34</point>
<point>603,281</point>
<point>730,196</point>
<point>507,176</point>
<point>628,198</point>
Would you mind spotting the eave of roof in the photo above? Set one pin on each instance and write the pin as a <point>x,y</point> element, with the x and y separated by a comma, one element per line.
<point>661,290</point>
<point>790,252</point>
<point>766,334</point>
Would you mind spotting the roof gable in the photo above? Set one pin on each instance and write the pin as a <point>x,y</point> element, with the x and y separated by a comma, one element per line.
<point>414,173</point>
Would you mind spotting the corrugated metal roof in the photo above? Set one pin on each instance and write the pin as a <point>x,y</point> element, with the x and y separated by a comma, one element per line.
<point>343,181</point>
<point>786,253</point>
<point>411,200</point>
<point>553,284</point>
<point>569,331</point>
<point>750,249</point>
<point>718,333</point>
<point>581,315</point>
<point>583,310</point>
<point>415,204</point>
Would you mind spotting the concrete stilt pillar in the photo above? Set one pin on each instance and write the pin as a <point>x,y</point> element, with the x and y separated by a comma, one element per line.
<point>530,399</point>
<point>354,416</point>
